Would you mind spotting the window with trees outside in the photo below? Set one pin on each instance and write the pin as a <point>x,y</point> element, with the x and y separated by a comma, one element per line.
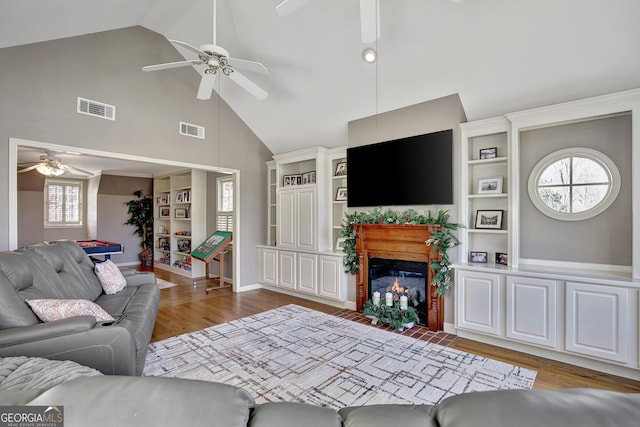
<point>574,184</point>
<point>224,214</point>
<point>63,203</point>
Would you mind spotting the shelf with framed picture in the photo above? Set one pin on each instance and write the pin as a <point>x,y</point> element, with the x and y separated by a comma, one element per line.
<point>484,190</point>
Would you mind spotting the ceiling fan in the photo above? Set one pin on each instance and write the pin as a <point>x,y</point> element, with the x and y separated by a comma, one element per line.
<point>51,165</point>
<point>369,16</point>
<point>216,59</point>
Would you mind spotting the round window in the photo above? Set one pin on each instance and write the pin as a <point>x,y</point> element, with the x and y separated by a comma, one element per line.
<point>574,184</point>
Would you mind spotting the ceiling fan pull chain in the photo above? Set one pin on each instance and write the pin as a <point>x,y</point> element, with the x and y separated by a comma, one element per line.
<point>215,8</point>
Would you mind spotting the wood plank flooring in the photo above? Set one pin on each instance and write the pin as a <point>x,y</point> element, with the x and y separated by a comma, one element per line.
<point>184,308</point>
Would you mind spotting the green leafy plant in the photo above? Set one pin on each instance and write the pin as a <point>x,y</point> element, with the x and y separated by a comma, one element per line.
<point>393,315</point>
<point>140,212</point>
<point>442,239</point>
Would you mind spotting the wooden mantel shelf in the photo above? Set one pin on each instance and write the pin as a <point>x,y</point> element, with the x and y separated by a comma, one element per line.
<point>402,242</point>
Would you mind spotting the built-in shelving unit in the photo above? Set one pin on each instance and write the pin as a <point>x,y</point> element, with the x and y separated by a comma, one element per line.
<point>180,217</point>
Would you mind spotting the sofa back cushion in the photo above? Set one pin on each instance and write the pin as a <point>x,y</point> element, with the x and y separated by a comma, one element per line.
<point>71,282</point>
<point>16,276</point>
<point>82,261</point>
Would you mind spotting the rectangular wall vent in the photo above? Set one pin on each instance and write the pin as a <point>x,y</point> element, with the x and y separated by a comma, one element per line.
<point>191,130</point>
<point>96,109</point>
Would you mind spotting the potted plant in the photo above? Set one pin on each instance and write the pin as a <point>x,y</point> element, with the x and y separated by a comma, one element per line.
<point>140,212</point>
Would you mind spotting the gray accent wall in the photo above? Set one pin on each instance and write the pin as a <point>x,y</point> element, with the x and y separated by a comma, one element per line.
<point>603,239</point>
<point>39,86</point>
<point>427,117</point>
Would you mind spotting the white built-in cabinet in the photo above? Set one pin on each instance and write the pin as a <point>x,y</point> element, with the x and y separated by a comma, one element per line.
<point>569,311</point>
<point>303,225</point>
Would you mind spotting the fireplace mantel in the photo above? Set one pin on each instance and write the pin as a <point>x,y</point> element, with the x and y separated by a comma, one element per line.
<point>397,241</point>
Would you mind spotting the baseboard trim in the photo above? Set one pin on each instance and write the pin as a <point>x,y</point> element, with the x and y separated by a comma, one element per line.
<point>333,303</point>
<point>250,287</point>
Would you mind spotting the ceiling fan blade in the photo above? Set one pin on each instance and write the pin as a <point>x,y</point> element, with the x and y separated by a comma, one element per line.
<point>370,20</point>
<point>287,7</point>
<point>206,86</point>
<point>78,171</point>
<point>189,47</point>
<point>253,66</point>
<point>30,168</point>
<point>170,65</point>
<point>248,85</point>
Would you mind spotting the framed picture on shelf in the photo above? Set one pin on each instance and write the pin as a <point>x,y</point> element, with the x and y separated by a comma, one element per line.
<point>486,219</point>
<point>490,185</point>
<point>341,169</point>
<point>341,194</point>
<point>501,258</point>
<point>161,200</point>
<point>180,213</point>
<point>488,153</point>
<point>291,180</point>
<point>340,244</point>
<point>309,178</point>
<point>480,257</point>
<point>179,197</point>
<point>165,212</point>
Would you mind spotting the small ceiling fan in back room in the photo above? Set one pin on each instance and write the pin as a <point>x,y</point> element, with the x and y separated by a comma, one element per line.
<point>369,16</point>
<point>51,164</point>
<point>216,60</point>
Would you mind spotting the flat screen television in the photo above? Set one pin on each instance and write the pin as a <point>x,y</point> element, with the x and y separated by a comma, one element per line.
<point>417,170</point>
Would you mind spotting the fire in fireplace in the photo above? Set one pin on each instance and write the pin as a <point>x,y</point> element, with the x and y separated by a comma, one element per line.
<point>401,278</point>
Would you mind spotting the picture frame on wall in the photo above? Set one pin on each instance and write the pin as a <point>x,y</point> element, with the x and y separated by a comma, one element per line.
<point>478,257</point>
<point>502,258</point>
<point>490,185</point>
<point>488,153</point>
<point>341,194</point>
<point>489,219</point>
<point>341,169</point>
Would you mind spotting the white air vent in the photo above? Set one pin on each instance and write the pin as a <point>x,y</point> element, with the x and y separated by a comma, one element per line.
<point>96,109</point>
<point>191,130</point>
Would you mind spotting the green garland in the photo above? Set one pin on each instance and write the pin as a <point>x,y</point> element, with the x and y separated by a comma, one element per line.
<point>442,239</point>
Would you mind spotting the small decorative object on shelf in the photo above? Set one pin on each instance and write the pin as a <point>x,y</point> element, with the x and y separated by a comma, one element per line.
<point>341,169</point>
<point>341,194</point>
<point>309,178</point>
<point>392,315</point>
<point>490,185</point>
<point>291,180</point>
<point>165,212</point>
<point>478,257</point>
<point>488,153</point>
<point>161,200</point>
<point>489,219</point>
<point>501,258</point>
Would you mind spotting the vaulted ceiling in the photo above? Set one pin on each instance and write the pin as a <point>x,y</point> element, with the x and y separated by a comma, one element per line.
<point>498,55</point>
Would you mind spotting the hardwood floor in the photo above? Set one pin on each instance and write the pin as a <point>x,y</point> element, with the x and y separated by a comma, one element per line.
<point>184,308</point>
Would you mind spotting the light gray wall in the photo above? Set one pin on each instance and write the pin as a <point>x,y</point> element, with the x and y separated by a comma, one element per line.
<point>39,86</point>
<point>603,239</point>
<point>427,117</point>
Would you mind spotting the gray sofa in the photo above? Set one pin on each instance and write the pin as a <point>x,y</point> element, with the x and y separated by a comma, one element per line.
<point>62,270</point>
<point>150,401</point>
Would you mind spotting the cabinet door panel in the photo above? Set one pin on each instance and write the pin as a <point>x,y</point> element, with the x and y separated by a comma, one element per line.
<point>307,274</point>
<point>478,302</point>
<point>597,321</point>
<point>286,219</point>
<point>269,266</point>
<point>330,277</point>
<point>532,310</point>
<point>287,270</point>
<point>306,219</point>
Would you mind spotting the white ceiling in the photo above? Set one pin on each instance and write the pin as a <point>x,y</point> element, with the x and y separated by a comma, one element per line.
<point>498,55</point>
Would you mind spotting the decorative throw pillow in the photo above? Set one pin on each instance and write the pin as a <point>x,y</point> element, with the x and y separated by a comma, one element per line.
<point>110,277</point>
<point>49,310</point>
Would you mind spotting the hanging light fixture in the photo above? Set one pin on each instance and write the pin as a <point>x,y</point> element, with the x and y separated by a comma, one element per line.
<point>50,168</point>
<point>369,55</point>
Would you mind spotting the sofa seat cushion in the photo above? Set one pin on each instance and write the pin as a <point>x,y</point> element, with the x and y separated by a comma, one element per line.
<point>110,277</point>
<point>388,415</point>
<point>275,414</point>
<point>527,408</point>
<point>50,310</point>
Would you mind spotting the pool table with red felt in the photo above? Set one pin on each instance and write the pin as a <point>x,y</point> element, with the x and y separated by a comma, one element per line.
<point>100,247</point>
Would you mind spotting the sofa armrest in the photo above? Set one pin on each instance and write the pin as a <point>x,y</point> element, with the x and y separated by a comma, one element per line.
<point>137,278</point>
<point>111,349</point>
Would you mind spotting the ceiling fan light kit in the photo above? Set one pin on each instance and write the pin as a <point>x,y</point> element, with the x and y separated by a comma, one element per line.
<point>51,168</point>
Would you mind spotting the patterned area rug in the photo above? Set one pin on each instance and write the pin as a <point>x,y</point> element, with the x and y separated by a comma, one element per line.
<point>163,284</point>
<point>297,354</point>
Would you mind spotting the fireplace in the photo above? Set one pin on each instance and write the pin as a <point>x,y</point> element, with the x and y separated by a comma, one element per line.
<point>403,242</point>
<point>401,278</point>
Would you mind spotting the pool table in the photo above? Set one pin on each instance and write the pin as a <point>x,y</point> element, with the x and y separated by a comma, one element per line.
<point>100,248</point>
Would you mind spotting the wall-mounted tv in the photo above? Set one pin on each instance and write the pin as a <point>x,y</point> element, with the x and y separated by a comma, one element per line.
<point>417,170</point>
